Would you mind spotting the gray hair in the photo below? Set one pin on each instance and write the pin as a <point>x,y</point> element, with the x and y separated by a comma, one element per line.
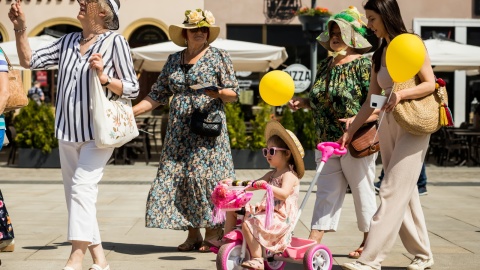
<point>109,19</point>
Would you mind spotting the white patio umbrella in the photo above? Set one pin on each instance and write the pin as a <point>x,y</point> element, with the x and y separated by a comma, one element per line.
<point>448,56</point>
<point>246,56</point>
<point>10,47</point>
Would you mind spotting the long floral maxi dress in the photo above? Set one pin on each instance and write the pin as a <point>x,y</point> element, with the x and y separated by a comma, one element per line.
<point>6,229</point>
<point>190,165</point>
<point>278,236</point>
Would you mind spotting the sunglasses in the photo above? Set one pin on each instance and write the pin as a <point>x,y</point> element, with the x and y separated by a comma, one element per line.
<point>271,151</point>
<point>203,29</point>
<point>87,1</point>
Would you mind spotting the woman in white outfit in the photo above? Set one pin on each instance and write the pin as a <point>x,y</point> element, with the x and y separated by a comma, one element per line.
<point>77,57</point>
<point>400,211</point>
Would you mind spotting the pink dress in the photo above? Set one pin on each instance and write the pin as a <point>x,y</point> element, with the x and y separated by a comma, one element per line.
<point>278,236</point>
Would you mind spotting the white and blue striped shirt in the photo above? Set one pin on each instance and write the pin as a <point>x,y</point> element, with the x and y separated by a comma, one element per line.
<point>73,116</point>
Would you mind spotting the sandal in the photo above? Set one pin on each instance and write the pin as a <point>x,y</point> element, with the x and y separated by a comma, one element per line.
<point>254,263</point>
<point>356,253</point>
<point>191,244</point>
<point>210,235</point>
<point>98,267</point>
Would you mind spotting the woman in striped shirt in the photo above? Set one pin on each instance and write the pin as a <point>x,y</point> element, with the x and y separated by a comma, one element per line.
<point>77,57</point>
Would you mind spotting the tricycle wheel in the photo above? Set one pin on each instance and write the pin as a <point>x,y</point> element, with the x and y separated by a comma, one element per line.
<point>229,256</point>
<point>274,265</point>
<point>318,257</point>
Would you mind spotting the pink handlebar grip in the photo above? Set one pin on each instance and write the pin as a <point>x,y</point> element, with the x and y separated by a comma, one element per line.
<point>263,186</point>
<point>330,148</point>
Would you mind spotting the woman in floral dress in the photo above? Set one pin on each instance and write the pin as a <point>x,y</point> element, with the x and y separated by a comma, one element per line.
<point>190,164</point>
<point>340,88</point>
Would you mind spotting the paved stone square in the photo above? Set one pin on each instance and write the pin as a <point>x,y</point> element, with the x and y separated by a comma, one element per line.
<point>35,200</point>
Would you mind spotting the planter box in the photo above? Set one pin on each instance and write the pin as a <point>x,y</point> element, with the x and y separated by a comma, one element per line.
<point>254,159</point>
<point>309,160</point>
<point>249,159</point>
<point>35,158</point>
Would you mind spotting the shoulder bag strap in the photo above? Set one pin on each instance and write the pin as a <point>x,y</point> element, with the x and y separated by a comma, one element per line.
<point>10,67</point>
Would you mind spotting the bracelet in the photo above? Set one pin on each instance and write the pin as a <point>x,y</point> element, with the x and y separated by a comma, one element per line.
<point>20,30</point>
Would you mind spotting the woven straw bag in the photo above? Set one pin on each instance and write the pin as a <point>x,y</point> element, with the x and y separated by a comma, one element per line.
<point>17,96</point>
<point>419,116</point>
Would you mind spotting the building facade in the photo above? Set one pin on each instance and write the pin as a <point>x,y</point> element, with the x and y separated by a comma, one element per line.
<point>271,22</point>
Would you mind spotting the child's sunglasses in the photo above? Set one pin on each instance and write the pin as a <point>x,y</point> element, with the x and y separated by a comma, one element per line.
<point>271,151</point>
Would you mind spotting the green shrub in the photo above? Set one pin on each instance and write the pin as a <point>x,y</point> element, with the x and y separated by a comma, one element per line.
<point>259,124</point>
<point>35,127</point>
<point>236,126</point>
<point>287,120</point>
<point>305,129</point>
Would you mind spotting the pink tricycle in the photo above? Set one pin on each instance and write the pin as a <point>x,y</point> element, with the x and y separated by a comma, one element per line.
<point>313,256</point>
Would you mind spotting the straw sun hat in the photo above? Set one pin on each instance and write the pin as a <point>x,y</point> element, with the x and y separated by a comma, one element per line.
<point>275,128</point>
<point>194,19</point>
<point>352,28</point>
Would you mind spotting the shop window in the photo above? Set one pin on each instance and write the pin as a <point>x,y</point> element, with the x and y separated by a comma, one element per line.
<point>429,32</point>
<point>476,7</point>
<point>249,33</point>
<point>473,36</point>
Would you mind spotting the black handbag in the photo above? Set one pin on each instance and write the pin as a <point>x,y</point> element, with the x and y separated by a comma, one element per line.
<point>206,124</point>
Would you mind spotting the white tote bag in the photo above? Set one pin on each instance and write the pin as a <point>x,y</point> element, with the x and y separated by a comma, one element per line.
<point>113,120</point>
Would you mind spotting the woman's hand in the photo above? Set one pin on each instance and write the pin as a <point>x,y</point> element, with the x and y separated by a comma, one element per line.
<point>213,94</point>
<point>347,121</point>
<point>395,98</point>
<point>297,103</point>
<point>16,15</point>
<point>344,140</point>
<point>96,62</point>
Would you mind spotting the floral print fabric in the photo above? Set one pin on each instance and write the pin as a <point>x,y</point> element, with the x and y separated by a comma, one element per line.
<point>6,229</point>
<point>347,91</point>
<point>278,236</point>
<point>190,165</point>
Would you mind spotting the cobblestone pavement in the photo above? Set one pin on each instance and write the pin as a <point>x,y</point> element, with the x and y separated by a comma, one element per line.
<point>35,200</point>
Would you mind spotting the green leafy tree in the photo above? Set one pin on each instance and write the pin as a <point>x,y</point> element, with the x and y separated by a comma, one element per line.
<point>236,126</point>
<point>259,124</point>
<point>35,127</point>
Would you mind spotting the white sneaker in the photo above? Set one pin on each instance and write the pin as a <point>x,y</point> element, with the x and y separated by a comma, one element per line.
<point>420,264</point>
<point>356,266</point>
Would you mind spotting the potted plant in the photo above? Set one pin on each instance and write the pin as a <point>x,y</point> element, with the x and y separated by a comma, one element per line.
<point>313,19</point>
<point>36,142</point>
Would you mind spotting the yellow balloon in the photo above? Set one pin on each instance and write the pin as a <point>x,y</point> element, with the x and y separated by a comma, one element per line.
<point>405,56</point>
<point>277,87</point>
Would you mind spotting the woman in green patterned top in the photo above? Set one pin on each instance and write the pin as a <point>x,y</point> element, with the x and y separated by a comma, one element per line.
<point>340,88</point>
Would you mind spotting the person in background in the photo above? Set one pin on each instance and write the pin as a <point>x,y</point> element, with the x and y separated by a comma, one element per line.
<point>340,88</point>
<point>36,93</point>
<point>7,242</point>
<point>421,183</point>
<point>400,211</point>
<point>82,162</point>
<point>191,165</point>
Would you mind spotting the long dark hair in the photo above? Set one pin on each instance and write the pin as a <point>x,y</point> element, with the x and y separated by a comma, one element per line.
<point>392,20</point>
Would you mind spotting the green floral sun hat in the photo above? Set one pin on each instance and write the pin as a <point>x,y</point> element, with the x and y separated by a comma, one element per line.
<point>194,19</point>
<point>353,30</point>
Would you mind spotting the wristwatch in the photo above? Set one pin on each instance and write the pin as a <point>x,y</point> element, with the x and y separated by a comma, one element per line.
<point>109,80</point>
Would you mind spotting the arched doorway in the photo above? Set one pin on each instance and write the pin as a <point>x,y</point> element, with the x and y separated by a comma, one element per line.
<point>145,35</point>
<point>48,78</point>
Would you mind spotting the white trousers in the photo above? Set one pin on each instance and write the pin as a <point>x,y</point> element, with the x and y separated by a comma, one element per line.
<point>82,165</point>
<point>337,173</point>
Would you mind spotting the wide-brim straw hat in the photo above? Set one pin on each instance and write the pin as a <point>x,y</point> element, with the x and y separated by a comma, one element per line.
<point>275,128</point>
<point>350,36</point>
<point>175,30</point>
